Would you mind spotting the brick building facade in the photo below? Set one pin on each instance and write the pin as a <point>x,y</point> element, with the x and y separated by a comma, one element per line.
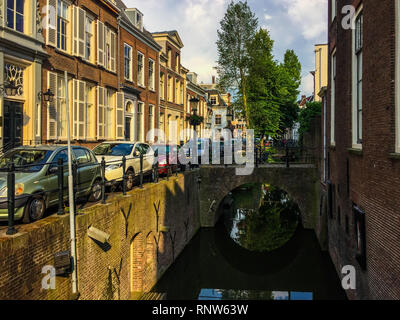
<point>361,165</point>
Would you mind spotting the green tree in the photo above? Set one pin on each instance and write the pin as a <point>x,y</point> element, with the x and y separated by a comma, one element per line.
<point>262,86</point>
<point>289,83</point>
<point>306,114</point>
<point>238,28</point>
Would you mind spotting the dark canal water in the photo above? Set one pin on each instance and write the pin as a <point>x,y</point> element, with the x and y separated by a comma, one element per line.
<point>258,250</point>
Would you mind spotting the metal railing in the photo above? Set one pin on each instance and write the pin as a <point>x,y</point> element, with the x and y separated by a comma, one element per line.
<point>61,189</point>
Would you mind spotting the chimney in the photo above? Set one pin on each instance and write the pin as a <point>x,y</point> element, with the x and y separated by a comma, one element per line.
<point>213,79</point>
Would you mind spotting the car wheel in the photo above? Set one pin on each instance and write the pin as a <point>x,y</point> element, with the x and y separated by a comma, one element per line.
<point>35,209</point>
<point>130,179</point>
<point>95,192</point>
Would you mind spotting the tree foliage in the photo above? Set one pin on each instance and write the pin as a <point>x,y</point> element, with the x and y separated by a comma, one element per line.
<point>311,110</point>
<point>238,28</point>
<point>265,91</point>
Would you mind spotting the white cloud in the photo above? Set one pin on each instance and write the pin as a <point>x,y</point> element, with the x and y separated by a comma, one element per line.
<point>307,84</point>
<point>310,16</point>
<point>267,17</point>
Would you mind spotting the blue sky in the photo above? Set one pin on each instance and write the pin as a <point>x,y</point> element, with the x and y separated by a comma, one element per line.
<point>293,24</point>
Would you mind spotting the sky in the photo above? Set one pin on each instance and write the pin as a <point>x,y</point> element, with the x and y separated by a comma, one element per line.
<point>293,24</point>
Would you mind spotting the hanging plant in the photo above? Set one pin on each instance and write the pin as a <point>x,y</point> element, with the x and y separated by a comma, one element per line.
<point>195,120</point>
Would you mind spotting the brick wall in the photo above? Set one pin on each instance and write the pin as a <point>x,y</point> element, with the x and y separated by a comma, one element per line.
<point>129,262</point>
<point>371,178</point>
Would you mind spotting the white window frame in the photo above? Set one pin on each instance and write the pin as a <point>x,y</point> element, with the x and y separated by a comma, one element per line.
<point>162,85</point>
<point>127,46</point>
<point>152,78</point>
<point>88,38</point>
<point>141,72</point>
<point>67,21</point>
<point>397,112</point>
<point>140,121</point>
<point>334,9</point>
<point>333,95</point>
<point>356,143</point>
<point>15,13</point>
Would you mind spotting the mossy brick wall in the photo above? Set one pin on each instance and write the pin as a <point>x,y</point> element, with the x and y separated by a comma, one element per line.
<point>162,220</point>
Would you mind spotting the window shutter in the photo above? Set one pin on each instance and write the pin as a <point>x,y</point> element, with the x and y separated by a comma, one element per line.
<point>52,108</point>
<point>51,23</point>
<point>81,110</point>
<point>119,110</point>
<point>112,48</point>
<point>100,112</point>
<point>81,32</point>
<point>100,43</point>
<point>75,27</point>
<point>75,110</point>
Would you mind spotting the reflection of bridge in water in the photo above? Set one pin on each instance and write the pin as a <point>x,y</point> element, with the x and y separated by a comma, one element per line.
<point>300,181</point>
<point>214,261</point>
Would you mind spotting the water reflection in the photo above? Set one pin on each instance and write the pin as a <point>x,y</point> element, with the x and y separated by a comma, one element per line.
<point>260,217</point>
<point>222,294</point>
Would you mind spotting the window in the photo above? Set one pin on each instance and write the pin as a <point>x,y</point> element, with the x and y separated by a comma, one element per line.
<point>161,121</point>
<point>81,156</point>
<point>61,106</point>
<point>162,84</point>
<point>109,112</point>
<point>397,122</point>
<point>357,80</point>
<point>359,221</point>
<point>63,154</point>
<point>15,14</point>
<point>218,119</point>
<point>177,63</point>
<point>151,75</point>
<point>128,62</point>
<point>213,100</point>
<point>170,89</point>
<point>169,58</point>
<point>62,24</point>
<point>151,121</point>
<point>139,118</point>
<point>140,76</point>
<point>177,83</point>
<point>88,38</point>
<point>181,95</point>
<point>333,92</point>
<point>334,9</point>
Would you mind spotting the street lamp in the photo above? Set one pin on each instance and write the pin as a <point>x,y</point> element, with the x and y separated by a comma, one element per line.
<point>9,88</point>
<point>194,106</point>
<point>48,96</point>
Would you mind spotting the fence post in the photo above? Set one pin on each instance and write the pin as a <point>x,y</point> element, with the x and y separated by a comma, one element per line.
<point>123,175</point>
<point>156,172</point>
<point>76,181</point>
<point>60,174</point>
<point>141,170</point>
<point>11,199</point>
<point>287,156</point>
<point>167,156</point>
<point>257,156</point>
<point>103,177</point>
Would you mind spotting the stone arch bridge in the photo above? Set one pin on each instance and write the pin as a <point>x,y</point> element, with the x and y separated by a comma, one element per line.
<point>300,181</point>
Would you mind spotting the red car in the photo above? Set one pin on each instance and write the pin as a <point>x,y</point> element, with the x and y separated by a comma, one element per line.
<point>161,150</point>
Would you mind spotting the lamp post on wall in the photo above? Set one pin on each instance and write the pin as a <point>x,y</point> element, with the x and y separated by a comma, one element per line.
<point>194,102</point>
<point>47,96</point>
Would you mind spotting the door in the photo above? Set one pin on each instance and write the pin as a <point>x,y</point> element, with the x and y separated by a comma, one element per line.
<point>86,171</point>
<point>128,128</point>
<point>147,157</point>
<point>53,177</point>
<point>12,124</point>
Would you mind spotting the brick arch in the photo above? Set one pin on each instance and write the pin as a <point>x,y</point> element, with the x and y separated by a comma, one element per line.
<point>301,184</point>
<point>136,262</point>
<point>150,263</point>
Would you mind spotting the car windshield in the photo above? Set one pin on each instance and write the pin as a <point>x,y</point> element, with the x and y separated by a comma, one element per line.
<point>162,150</point>
<point>26,160</point>
<point>113,149</point>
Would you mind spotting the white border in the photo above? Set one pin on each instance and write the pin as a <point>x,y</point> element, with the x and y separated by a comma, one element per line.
<point>355,145</point>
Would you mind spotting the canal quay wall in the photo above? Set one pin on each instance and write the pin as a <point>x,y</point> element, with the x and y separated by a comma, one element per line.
<point>147,228</point>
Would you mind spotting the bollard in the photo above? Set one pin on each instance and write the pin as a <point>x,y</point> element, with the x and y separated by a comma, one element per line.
<point>124,175</point>
<point>256,157</point>
<point>76,180</point>
<point>167,155</point>
<point>141,170</point>
<point>60,174</point>
<point>287,157</point>
<point>11,199</point>
<point>103,177</point>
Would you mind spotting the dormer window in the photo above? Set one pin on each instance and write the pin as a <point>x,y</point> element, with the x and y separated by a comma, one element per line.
<point>136,17</point>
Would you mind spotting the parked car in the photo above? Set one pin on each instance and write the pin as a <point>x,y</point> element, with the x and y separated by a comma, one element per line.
<point>113,152</point>
<point>161,151</point>
<point>36,179</point>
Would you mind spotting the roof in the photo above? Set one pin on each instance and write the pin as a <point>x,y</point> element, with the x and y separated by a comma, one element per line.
<point>171,34</point>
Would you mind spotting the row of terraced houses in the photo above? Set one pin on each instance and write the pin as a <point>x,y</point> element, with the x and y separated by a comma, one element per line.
<point>122,80</point>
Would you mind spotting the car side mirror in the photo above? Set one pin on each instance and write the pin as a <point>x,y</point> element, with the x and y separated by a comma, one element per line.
<point>53,170</point>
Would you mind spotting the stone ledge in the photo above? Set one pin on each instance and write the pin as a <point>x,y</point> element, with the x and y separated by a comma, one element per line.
<point>395,156</point>
<point>357,152</point>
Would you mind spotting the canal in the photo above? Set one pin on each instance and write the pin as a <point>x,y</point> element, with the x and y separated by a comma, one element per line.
<point>258,250</point>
